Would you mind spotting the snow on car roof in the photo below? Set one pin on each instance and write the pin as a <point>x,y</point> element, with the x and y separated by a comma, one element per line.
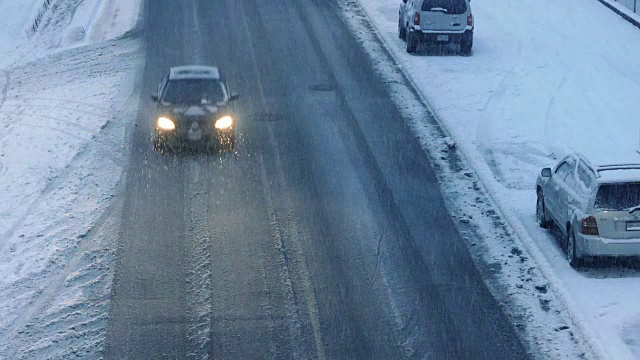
<point>623,170</point>
<point>619,175</point>
<point>614,166</point>
<point>194,72</point>
<point>614,158</point>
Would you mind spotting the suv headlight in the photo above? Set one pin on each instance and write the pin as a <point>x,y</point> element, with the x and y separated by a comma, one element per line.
<point>165,123</point>
<point>224,122</point>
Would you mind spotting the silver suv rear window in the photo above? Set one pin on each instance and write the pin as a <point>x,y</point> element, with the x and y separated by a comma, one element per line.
<point>451,6</point>
<point>618,196</point>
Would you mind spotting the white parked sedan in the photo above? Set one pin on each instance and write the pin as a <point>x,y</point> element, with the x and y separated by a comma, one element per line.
<point>597,207</point>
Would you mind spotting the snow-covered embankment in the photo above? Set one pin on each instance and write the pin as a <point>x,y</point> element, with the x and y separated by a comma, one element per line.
<point>67,99</point>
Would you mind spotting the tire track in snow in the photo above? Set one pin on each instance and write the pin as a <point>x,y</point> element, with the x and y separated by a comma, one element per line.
<point>60,107</point>
<point>24,103</point>
<point>486,145</point>
<point>484,130</point>
<point>56,283</point>
<point>21,113</point>
<point>45,296</point>
<point>198,270</point>
<point>5,91</point>
<point>554,146</point>
<point>286,259</point>
<point>92,132</point>
<point>37,20</point>
<point>55,183</point>
<point>59,100</point>
<point>45,323</point>
<point>60,178</point>
<point>109,149</point>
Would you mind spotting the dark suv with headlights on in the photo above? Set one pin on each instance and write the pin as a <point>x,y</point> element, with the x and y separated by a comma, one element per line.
<point>194,108</point>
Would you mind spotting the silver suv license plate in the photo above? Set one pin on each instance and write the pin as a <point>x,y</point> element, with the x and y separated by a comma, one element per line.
<point>442,38</point>
<point>633,225</point>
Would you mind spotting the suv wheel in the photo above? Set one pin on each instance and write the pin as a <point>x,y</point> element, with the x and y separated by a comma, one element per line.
<point>541,212</point>
<point>572,256</point>
<point>412,42</point>
<point>402,31</point>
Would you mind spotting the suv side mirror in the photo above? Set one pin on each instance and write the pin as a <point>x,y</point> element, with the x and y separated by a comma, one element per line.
<point>546,172</point>
<point>234,97</point>
<point>154,98</point>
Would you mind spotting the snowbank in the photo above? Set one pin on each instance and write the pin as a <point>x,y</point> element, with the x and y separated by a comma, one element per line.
<point>534,89</point>
<point>62,23</point>
<point>114,18</point>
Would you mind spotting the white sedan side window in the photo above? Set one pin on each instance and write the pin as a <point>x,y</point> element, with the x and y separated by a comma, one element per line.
<point>585,177</point>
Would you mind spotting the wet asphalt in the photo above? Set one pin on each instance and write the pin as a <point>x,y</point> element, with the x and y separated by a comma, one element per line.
<point>325,236</point>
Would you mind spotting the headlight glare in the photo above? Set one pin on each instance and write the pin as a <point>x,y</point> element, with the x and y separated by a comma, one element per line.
<point>165,123</point>
<point>224,122</point>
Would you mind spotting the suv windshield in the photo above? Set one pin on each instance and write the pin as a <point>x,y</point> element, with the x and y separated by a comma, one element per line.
<point>618,196</point>
<point>452,6</point>
<point>193,91</point>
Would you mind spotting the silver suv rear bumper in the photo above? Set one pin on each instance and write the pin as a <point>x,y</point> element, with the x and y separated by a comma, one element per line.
<point>452,36</point>
<point>416,28</point>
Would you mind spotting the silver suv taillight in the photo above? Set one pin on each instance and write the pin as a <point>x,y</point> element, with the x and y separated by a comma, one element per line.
<point>416,19</point>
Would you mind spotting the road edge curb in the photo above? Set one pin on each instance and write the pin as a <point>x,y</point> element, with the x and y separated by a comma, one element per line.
<point>624,14</point>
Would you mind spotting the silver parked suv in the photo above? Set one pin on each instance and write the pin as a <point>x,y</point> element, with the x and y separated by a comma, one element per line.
<point>597,207</point>
<point>436,21</point>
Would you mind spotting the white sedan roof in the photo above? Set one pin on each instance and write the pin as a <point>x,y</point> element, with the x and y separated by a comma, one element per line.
<point>194,72</point>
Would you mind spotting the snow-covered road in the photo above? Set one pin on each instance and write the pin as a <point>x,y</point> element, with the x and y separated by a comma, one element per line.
<point>540,83</point>
<point>65,110</point>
